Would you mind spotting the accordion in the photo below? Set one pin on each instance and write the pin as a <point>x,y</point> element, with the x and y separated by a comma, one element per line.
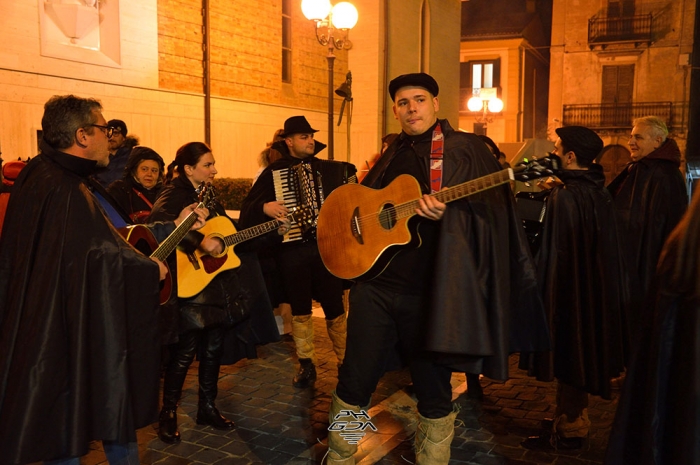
<point>306,185</point>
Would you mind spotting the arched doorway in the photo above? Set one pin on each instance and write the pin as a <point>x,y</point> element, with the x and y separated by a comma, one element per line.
<point>613,159</point>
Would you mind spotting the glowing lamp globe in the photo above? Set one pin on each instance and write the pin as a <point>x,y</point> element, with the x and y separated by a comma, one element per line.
<point>344,15</point>
<point>495,105</point>
<point>475,104</point>
<point>316,10</point>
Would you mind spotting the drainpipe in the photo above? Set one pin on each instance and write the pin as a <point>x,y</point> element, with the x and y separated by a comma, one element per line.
<point>206,65</point>
<point>692,150</point>
<point>386,67</point>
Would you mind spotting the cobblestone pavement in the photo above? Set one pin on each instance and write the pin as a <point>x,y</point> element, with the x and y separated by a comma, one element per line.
<point>279,424</point>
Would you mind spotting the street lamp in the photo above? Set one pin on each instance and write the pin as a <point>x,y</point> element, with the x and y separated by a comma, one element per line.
<point>331,21</point>
<point>485,101</point>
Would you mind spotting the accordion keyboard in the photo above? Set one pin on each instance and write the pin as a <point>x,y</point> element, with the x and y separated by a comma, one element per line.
<point>286,191</point>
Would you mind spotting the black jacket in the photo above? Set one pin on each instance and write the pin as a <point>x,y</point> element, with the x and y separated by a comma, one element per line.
<point>657,415</point>
<point>484,302</point>
<point>583,284</point>
<point>78,319</point>
<point>650,199</point>
<point>125,193</point>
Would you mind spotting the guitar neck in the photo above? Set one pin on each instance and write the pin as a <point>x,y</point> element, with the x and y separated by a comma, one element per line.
<point>251,233</point>
<point>459,191</point>
<point>168,245</point>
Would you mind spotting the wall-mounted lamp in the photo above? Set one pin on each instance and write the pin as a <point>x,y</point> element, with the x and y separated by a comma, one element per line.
<point>332,26</point>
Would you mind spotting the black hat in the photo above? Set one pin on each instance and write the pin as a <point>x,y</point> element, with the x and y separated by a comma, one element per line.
<point>423,80</point>
<point>297,125</point>
<point>138,154</point>
<point>118,124</point>
<point>582,141</point>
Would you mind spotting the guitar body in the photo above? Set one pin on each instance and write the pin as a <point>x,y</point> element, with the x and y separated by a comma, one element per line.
<point>196,270</point>
<point>141,238</point>
<point>354,230</point>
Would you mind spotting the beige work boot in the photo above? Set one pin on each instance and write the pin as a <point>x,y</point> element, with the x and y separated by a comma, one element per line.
<point>433,439</point>
<point>340,452</point>
<point>337,332</point>
<point>303,334</point>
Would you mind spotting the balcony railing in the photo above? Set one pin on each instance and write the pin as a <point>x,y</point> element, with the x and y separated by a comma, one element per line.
<point>630,29</point>
<point>615,115</point>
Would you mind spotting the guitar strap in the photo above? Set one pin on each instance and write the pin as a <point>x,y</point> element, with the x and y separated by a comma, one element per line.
<point>436,149</point>
<point>143,197</point>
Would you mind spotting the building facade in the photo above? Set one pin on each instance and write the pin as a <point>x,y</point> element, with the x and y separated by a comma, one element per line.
<point>145,61</point>
<point>616,60</point>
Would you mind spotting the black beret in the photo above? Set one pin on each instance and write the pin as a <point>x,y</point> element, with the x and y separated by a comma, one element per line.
<point>582,141</point>
<point>423,80</point>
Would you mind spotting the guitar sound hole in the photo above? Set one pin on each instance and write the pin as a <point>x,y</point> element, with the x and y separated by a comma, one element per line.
<point>387,216</point>
<point>142,246</point>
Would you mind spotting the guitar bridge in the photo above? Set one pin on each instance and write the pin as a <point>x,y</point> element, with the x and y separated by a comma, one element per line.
<point>355,225</point>
<point>193,260</point>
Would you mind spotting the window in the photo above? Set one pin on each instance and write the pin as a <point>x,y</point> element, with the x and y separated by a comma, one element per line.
<point>477,75</point>
<point>618,86</point>
<point>286,41</point>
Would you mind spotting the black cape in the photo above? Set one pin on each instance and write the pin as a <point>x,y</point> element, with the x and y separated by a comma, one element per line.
<point>650,199</point>
<point>485,304</point>
<point>584,286</point>
<point>658,416</point>
<point>78,323</point>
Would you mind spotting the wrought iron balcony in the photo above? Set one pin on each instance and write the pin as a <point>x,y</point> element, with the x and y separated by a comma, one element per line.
<point>615,115</point>
<point>631,29</point>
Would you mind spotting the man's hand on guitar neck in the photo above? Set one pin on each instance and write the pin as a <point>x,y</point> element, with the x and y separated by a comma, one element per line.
<point>202,214</point>
<point>162,268</point>
<point>277,210</point>
<point>430,207</point>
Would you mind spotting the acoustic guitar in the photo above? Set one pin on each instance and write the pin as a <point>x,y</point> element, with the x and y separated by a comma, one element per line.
<point>196,270</point>
<point>358,227</point>
<point>142,239</point>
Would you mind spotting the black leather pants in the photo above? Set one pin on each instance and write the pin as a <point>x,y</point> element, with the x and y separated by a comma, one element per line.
<point>208,343</point>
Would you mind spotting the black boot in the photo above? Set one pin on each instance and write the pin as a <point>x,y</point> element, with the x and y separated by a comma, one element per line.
<point>167,431</point>
<point>209,415</point>
<point>306,375</point>
<point>181,356</point>
<point>209,363</point>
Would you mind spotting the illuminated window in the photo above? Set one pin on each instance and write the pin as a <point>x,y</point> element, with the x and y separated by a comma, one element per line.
<point>476,75</point>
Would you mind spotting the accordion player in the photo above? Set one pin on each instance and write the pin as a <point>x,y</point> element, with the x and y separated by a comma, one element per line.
<point>306,185</point>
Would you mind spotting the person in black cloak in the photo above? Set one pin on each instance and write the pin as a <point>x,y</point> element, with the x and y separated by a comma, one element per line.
<point>78,306</point>
<point>461,301</point>
<point>584,287</point>
<point>301,270</point>
<point>650,198</point>
<point>658,411</point>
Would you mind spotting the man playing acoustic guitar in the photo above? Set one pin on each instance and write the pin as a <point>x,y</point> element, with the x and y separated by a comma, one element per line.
<point>460,301</point>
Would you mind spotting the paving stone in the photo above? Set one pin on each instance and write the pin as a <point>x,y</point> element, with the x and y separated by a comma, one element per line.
<point>279,424</point>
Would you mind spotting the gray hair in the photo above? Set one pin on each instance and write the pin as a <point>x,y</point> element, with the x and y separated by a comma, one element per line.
<point>64,115</point>
<point>656,124</point>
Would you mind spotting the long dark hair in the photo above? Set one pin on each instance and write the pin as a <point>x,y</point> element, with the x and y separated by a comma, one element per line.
<point>189,154</point>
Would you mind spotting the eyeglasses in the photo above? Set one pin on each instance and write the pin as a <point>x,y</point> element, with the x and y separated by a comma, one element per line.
<point>107,129</point>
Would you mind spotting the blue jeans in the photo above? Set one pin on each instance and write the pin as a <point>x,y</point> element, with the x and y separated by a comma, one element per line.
<point>117,454</point>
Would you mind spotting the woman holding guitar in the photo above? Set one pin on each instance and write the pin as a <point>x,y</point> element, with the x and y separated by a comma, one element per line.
<point>198,324</point>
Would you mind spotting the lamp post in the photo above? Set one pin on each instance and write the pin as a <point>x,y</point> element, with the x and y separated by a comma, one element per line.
<point>486,101</point>
<point>331,20</point>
